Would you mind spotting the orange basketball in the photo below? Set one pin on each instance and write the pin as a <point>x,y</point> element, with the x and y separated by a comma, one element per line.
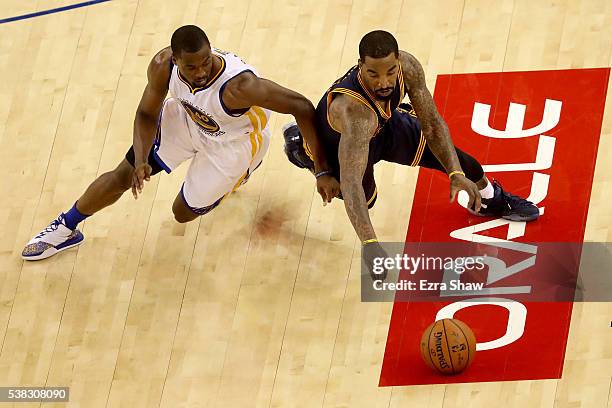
<point>448,346</point>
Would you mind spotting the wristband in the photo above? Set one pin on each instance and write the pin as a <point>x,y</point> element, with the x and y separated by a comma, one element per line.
<point>369,241</point>
<point>323,173</point>
<point>452,173</point>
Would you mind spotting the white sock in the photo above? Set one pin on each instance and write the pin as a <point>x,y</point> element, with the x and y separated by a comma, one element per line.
<point>487,192</point>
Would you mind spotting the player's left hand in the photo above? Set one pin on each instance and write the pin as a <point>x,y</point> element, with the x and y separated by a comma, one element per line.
<point>328,187</point>
<point>142,173</point>
<point>459,182</point>
<point>370,252</point>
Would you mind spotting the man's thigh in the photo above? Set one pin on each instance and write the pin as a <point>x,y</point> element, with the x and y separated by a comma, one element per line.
<point>401,140</point>
<point>219,169</point>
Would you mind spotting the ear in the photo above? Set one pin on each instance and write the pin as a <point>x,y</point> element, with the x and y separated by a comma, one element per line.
<point>174,60</point>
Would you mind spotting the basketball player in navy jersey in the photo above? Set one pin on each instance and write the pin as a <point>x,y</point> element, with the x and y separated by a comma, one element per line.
<point>361,120</point>
<point>216,118</point>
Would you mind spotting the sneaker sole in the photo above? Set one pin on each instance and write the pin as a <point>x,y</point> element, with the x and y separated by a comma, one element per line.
<point>524,218</point>
<point>513,217</point>
<point>48,253</point>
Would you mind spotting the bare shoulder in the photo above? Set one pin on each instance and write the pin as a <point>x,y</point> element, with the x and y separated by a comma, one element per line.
<point>345,112</point>
<point>238,92</point>
<point>163,57</point>
<point>240,83</point>
<point>412,68</point>
<point>408,59</point>
<point>160,68</point>
<point>420,97</point>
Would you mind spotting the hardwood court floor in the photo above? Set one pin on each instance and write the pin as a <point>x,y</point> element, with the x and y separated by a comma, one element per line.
<point>256,304</point>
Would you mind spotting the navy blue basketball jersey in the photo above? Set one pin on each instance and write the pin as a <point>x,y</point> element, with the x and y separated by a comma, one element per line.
<point>352,84</point>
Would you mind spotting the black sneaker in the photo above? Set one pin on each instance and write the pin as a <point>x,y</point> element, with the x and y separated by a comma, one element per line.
<point>508,206</point>
<point>294,147</point>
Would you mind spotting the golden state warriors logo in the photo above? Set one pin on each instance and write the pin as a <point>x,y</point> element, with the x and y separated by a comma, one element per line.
<point>205,122</point>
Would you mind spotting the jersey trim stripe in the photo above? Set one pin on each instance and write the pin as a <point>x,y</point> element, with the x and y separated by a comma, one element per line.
<point>329,99</point>
<point>238,183</point>
<point>402,84</point>
<point>373,196</point>
<point>350,93</point>
<point>157,144</point>
<point>210,81</point>
<point>419,152</point>
<point>307,149</point>
<point>354,94</point>
<point>263,119</point>
<point>255,135</point>
<point>236,112</point>
<point>386,112</point>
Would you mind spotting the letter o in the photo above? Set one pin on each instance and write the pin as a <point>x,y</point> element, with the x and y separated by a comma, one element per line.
<point>516,318</point>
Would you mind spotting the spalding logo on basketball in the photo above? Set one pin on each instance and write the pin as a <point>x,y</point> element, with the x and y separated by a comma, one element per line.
<point>207,123</point>
<point>448,346</point>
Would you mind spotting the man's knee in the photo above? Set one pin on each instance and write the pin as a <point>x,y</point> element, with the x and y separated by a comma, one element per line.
<point>182,218</point>
<point>182,213</point>
<point>185,213</point>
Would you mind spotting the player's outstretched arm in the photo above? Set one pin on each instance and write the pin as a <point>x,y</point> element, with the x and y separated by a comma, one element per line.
<point>435,129</point>
<point>147,114</point>
<point>357,124</point>
<point>248,90</point>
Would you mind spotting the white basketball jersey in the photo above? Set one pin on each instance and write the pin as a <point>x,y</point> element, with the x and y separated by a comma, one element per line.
<point>209,117</point>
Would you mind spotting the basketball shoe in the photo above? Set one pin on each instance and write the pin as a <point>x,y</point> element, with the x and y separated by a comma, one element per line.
<point>294,147</point>
<point>55,238</point>
<point>507,206</point>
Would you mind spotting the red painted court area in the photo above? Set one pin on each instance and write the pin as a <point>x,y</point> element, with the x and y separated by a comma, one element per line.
<point>537,133</point>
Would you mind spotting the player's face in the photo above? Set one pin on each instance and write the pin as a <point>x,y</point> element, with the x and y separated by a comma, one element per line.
<point>195,66</point>
<point>380,75</point>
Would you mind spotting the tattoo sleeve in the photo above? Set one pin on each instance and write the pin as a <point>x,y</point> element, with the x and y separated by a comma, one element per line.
<point>433,126</point>
<point>357,129</point>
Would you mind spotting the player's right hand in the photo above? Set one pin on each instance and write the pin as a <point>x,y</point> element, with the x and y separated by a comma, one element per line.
<point>459,182</point>
<point>373,256</point>
<point>142,173</point>
<point>328,187</point>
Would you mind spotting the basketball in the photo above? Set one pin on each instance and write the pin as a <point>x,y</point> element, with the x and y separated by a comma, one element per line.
<point>448,346</point>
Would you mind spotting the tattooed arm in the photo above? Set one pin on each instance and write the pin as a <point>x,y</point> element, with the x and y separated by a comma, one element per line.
<point>434,128</point>
<point>357,125</point>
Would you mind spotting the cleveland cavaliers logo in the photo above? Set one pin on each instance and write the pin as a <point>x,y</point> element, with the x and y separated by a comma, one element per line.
<point>207,123</point>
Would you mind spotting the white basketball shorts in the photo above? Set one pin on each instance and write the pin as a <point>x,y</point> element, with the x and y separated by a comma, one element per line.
<point>217,167</point>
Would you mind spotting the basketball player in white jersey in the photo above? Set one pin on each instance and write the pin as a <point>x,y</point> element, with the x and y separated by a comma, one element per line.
<point>217,117</point>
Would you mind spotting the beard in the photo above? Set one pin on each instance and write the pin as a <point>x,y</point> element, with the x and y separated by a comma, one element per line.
<point>384,98</point>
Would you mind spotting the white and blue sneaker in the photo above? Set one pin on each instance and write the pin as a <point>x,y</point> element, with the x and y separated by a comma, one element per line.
<point>53,239</point>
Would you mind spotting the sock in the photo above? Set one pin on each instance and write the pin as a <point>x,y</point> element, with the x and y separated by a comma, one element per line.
<point>487,192</point>
<point>73,217</point>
